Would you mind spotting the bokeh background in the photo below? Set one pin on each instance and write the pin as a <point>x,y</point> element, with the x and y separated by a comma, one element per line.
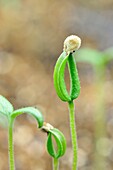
<point>31,39</point>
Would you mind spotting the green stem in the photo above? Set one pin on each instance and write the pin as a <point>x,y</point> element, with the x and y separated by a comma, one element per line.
<point>55,164</point>
<point>10,145</point>
<point>73,134</point>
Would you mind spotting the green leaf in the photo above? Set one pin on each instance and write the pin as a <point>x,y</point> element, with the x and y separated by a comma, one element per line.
<point>58,76</point>
<point>74,78</point>
<point>61,80</point>
<point>6,107</point>
<point>32,111</point>
<point>60,141</point>
<point>3,121</point>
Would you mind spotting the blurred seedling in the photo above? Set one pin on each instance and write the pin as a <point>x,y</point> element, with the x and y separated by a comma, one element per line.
<point>99,61</point>
<point>8,113</point>
<point>8,3</point>
<point>71,44</point>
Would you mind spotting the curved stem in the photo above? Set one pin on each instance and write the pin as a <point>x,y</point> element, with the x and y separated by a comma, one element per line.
<point>10,145</point>
<point>73,134</point>
<point>55,164</point>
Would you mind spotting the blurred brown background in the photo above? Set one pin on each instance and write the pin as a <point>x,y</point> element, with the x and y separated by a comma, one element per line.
<point>31,39</point>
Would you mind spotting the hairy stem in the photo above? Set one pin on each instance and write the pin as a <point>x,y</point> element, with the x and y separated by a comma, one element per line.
<point>55,164</point>
<point>10,145</point>
<point>73,134</point>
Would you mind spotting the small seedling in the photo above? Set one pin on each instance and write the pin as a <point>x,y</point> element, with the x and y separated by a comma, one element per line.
<point>7,109</point>
<point>71,44</point>
<point>99,61</point>
<point>60,142</point>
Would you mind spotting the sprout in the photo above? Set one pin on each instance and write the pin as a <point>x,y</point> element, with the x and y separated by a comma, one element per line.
<point>71,44</point>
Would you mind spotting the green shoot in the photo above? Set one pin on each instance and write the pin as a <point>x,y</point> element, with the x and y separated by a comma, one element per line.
<point>7,109</point>
<point>60,142</point>
<point>71,44</point>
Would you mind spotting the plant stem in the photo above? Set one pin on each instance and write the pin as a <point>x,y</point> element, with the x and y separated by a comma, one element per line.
<point>10,145</point>
<point>73,134</point>
<point>55,164</point>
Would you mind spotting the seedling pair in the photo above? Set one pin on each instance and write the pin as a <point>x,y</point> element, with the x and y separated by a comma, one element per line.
<point>7,110</point>
<point>71,44</point>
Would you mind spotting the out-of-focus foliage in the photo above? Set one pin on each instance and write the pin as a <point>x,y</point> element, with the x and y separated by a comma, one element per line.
<point>94,57</point>
<point>91,56</point>
<point>99,60</point>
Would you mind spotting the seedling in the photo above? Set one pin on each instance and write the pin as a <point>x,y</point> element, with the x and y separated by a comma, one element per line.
<point>7,110</point>
<point>99,61</point>
<point>60,141</point>
<point>71,44</point>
